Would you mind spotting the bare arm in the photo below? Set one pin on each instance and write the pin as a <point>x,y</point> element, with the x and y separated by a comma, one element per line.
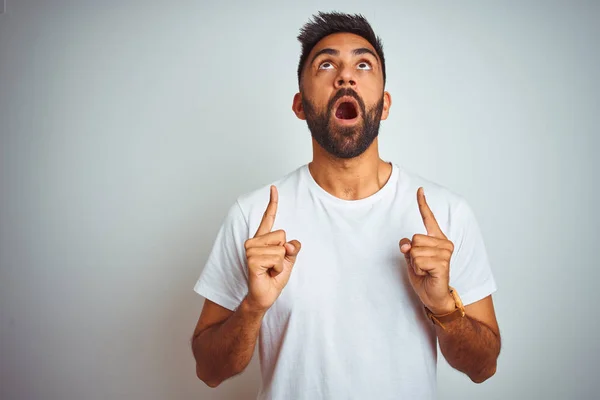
<point>472,344</point>
<point>224,341</point>
<point>225,349</point>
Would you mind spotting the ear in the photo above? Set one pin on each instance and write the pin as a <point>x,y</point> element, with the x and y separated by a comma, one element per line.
<point>387,103</point>
<point>297,106</point>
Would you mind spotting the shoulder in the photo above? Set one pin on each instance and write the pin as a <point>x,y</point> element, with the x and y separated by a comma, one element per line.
<point>254,202</point>
<point>452,211</point>
<point>443,201</point>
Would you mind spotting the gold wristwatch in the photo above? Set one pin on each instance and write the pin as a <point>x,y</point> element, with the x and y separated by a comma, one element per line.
<point>458,312</point>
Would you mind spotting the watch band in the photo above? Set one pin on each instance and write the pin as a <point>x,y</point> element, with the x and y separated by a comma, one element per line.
<point>441,319</point>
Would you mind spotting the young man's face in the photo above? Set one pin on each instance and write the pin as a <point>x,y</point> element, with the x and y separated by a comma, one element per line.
<point>341,94</point>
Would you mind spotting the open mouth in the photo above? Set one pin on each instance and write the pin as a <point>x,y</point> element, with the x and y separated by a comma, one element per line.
<point>346,110</point>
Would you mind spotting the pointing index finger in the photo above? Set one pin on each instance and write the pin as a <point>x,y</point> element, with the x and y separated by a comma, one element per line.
<point>431,224</point>
<point>268,219</point>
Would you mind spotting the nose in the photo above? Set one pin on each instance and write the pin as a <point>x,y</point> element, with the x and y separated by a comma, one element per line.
<point>345,78</point>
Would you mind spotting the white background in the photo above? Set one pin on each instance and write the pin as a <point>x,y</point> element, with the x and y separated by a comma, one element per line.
<point>128,128</point>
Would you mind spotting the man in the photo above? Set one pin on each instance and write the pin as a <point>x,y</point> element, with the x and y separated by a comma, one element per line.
<point>348,274</point>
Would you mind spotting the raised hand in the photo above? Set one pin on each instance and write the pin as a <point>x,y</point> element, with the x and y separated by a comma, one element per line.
<point>428,259</point>
<point>270,258</point>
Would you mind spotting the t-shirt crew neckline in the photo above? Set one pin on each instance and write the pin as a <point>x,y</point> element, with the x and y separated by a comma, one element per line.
<point>322,193</point>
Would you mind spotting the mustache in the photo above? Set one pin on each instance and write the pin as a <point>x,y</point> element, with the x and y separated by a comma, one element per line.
<point>347,92</point>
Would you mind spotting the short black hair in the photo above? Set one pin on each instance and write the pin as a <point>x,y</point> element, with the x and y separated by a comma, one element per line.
<point>325,24</point>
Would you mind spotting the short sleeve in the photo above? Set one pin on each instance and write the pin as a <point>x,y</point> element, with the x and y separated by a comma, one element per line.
<point>470,270</point>
<point>224,279</point>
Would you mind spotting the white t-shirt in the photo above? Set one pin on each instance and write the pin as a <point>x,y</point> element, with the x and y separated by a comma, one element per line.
<point>348,325</point>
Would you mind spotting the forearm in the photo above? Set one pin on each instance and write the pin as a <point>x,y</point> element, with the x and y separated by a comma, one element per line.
<point>470,346</point>
<point>224,350</point>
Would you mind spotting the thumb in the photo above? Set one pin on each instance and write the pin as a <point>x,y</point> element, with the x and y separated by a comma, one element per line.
<point>292,248</point>
<point>405,246</point>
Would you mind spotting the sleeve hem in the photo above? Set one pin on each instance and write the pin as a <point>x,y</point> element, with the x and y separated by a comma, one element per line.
<point>480,292</point>
<point>219,298</point>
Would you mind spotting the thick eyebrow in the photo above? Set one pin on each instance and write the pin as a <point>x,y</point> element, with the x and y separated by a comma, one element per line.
<point>326,50</point>
<point>333,52</point>
<point>364,50</point>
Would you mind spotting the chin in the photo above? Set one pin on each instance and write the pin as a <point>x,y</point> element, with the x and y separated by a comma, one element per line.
<point>345,150</point>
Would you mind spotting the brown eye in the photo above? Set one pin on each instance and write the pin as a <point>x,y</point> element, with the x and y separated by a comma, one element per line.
<point>364,66</point>
<point>326,65</point>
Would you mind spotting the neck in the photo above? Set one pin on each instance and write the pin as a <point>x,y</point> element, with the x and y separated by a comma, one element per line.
<point>350,179</point>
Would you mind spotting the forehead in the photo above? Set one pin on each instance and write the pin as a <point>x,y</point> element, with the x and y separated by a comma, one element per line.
<point>343,42</point>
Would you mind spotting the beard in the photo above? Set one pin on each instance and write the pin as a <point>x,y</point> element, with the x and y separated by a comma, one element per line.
<point>343,141</point>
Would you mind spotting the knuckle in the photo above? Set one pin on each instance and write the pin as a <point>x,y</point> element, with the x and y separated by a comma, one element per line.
<point>418,238</point>
<point>251,251</point>
<point>281,234</point>
<point>281,252</point>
